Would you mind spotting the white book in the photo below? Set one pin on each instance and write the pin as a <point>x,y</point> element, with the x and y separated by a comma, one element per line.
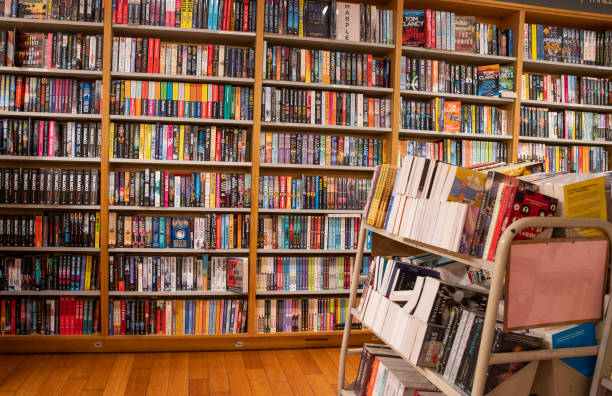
<point>173,273</point>
<point>149,273</point>
<point>455,346</point>
<point>456,240</point>
<point>462,345</point>
<point>393,317</point>
<point>370,309</point>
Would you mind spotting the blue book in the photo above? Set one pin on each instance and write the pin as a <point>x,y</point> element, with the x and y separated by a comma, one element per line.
<point>83,272</point>
<point>162,232</point>
<point>111,312</point>
<point>578,336</point>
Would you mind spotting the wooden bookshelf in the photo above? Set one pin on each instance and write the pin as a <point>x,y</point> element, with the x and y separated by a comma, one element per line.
<point>77,293</point>
<point>281,293</point>
<point>502,13</point>
<point>178,293</point>
<point>567,106</point>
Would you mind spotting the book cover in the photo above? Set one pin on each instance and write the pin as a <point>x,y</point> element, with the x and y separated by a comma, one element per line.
<point>586,199</point>
<point>413,28</point>
<point>347,25</point>
<point>236,272</point>
<point>552,42</point>
<point>578,336</point>
<point>488,80</point>
<point>465,33</point>
<point>180,233</point>
<point>467,187</point>
<point>452,116</point>
<point>32,9</point>
<point>506,79</point>
<point>317,18</point>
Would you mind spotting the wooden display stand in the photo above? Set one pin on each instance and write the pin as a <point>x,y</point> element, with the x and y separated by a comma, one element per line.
<point>521,382</point>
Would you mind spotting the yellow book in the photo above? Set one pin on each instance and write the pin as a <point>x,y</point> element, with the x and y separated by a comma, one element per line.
<point>97,242</point>
<point>181,141</point>
<point>111,133</point>
<point>88,273</point>
<point>586,199</point>
<point>534,41</point>
<point>217,326</point>
<point>189,14</point>
<point>301,18</point>
<point>149,132</point>
<point>373,210</point>
<point>213,188</point>
<point>162,58</point>
<point>187,96</point>
<point>327,149</point>
<point>196,316</point>
<point>230,241</point>
<point>308,59</point>
<point>289,193</point>
<point>179,318</point>
<point>204,99</point>
<point>158,89</point>
<point>473,119</point>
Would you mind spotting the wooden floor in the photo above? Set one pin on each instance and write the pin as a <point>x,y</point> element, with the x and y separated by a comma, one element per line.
<point>283,372</point>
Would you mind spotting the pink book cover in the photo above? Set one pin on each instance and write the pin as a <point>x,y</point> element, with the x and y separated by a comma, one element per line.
<point>51,139</point>
<point>41,128</point>
<point>166,182</point>
<point>170,143</point>
<point>551,283</point>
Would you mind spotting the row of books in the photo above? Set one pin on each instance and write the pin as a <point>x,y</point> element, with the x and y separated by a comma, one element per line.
<point>438,76</point>
<point>48,138</point>
<point>48,272</point>
<point>432,330</point>
<point>150,55</point>
<point>176,317</point>
<point>443,115</point>
<point>74,229</point>
<point>49,316</point>
<point>49,186</point>
<point>567,89</point>
<point>306,314</point>
<point>383,370</point>
<point>582,159</point>
<point>325,19</point>
<point>50,95</point>
<point>82,10</point>
<point>565,124</point>
<point>163,189</point>
<point>557,44</point>
<point>323,232</point>
<point>311,149</point>
<point>313,192</point>
<point>228,231</point>
<point>179,142</point>
<point>306,273</point>
<point>239,16</point>
<point>457,152</point>
<point>325,108</point>
<point>182,273</point>
<point>327,67</point>
<point>183,100</point>
<point>73,51</point>
<point>447,31</point>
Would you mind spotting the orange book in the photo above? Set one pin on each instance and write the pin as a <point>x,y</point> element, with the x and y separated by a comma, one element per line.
<point>434,77</point>
<point>230,240</point>
<point>370,112</point>
<point>218,316</point>
<point>206,314</point>
<point>237,109</point>
<point>139,96</point>
<point>373,376</point>
<point>238,239</point>
<point>278,62</point>
<point>38,230</point>
<point>452,116</point>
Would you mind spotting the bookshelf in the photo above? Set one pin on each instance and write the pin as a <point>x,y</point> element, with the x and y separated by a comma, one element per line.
<point>502,13</point>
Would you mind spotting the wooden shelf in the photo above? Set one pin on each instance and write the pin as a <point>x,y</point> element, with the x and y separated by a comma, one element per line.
<point>185,78</point>
<point>567,106</point>
<point>179,120</point>
<point>322,43</point>
<point>485,100</point>
<point>314,211</point>
<point>280,293</point>
<point>452,135</point>
<point>49,207</point>
<point>310,252</point>
<point>29,249</point>
<point>153,162</point>
<point>554,141</point>
<point>52,116</point>
<point>176,251</point>
<point>179,293</point>
<point>456,56</point>
<point>329,87</point>
<point>318,167</point>
<point>50,25</point>
<point>121,208</point>
<point>462,258</point>
<point>62,160</point>
<point>64,73</point>
<point>293,126</point>
<point>184,34</point>
<point>548,67</point>
<point>77,293</point>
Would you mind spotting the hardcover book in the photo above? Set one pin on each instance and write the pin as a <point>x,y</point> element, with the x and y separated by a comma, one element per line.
<point>180,233</point>
<point>452,116</point>
<point>552,41</point>
<point>465,33</point>
<point>488,80</point>
<point>236,272</point>
<point>413,28</point>
<point>317,19</point>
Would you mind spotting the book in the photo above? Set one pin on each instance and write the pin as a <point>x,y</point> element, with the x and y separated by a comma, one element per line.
<point>583,159</point>
<point>465,34</point>
<point>32,9</point>
<point>317,18</point>
<point>488,80</point>
<point>30,50</point>
<point>452,116</point>
<point>413,28</point>
<point>506,81</point>
<point>552,42</point>
<point>237,274</point>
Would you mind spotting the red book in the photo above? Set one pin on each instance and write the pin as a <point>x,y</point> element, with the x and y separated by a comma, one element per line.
<point>156,56</point>
<point>209,70</point>
<point>124,9</point>
<point>177,10</point>
<point>13,316</point>
<point>226,14</point>
<point>123,311</point>
<point>245,16</point>
<point>218,240</point>
<point>428,27</point>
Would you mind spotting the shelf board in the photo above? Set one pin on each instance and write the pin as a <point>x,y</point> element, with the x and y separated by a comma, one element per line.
<point>19,158</point>
<point>323,43</point>
<point>568,106</point>
<point>303,292</point>
<point>452,135</point>
<point>486,100</point>
<point>329,87</point>
<point>179,293</point>
<point>310,252</point>
<point>153,162</point>
<point>80,293</point>
<point>456,56</point>
<point>318,167</point>
<point>49,207</point>
<point>181,77</point>
<point>50,25</point>
<point>30,249</point>
<point>314,211</point>
<point>65,73</point>
<point>432,375</point>
<point>548,67</point>
<point>184,34</point>
<point>462,258</point>
<point>179,120</point>
<point>176,251</point>
<point>121,208</point>
<point>294,126</point>
<point>53,116</point>
<point>554,141</point>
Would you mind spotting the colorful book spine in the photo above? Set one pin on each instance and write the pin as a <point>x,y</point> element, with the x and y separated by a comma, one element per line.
<point>567,89</point>
<point>580,159</point>
<point>565,124</point>
<point>457,152</point>
<point>81,11</point>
